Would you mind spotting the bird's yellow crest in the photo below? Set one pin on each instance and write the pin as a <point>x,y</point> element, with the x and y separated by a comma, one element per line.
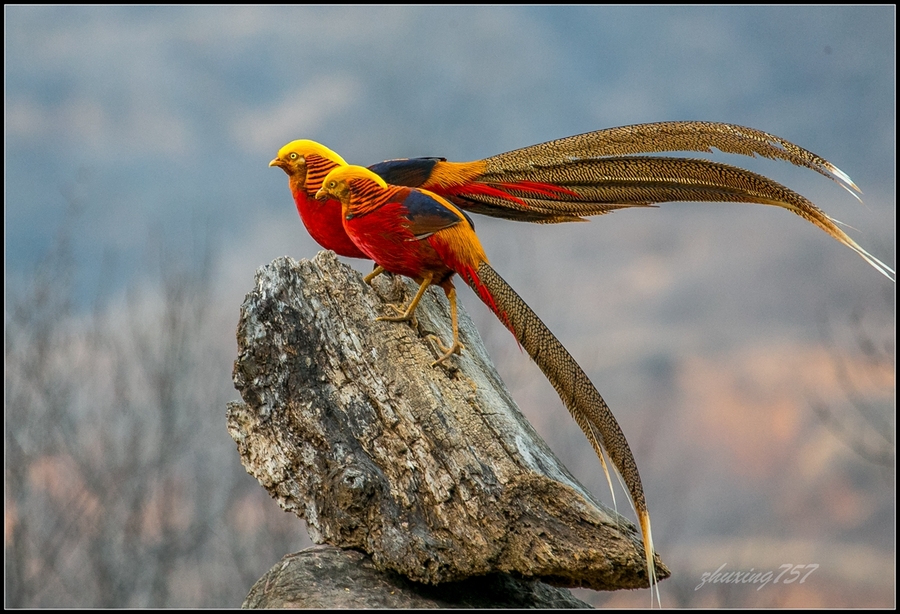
<point>306,164</point>
<point>349,172</point>
<point>368,190</point>
<point>304,148</point>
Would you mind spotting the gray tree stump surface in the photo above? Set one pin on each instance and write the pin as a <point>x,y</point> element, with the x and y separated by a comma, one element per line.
<point>432,471</point>
<point>329,577</point>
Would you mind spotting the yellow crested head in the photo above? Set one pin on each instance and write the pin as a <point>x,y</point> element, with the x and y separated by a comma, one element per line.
<point>337,183</point>
<point>302,148</point>
<point>306,163</point>
<point>350,172</point>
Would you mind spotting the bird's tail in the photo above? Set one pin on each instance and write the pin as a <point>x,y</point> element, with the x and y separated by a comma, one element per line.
<point>667,137</point>
<point>577,392</point>
<point>594,186</point>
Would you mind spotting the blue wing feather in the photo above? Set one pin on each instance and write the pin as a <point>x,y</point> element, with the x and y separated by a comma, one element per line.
<point>409,172</point>
<point>428,215</point>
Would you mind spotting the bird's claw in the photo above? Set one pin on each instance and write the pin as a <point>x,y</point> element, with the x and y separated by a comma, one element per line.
<point>402,317</point>
<point>456,348</point>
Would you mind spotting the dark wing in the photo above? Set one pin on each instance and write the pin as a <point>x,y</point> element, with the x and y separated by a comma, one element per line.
<point>427,215</point>
<point>409,172</point>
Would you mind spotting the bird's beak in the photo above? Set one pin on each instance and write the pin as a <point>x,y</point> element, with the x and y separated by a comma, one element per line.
<point>320,195</point>
<point>276,162</point>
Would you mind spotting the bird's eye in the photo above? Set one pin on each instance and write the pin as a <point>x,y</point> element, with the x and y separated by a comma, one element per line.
<point>332,184</point>
<point>293,156</point>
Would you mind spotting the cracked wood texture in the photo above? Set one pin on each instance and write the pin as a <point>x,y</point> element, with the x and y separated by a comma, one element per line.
<point>434,472</point>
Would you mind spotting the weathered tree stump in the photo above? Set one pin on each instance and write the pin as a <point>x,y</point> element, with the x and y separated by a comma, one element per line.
<point>329,577</point>
<point>434,472</point>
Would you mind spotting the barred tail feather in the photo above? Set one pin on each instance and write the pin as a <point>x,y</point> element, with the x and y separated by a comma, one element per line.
<point>597,186</point>
<point>574,387</point>
<point>658,137</point>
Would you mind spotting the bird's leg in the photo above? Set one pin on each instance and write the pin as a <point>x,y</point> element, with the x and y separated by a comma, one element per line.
<point>456,347</point>
<point>378,270</point>
<point>408,314</point>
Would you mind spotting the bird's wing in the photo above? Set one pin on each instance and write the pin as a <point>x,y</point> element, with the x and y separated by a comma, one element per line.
<point>410,172</point>
<point>427,214</point>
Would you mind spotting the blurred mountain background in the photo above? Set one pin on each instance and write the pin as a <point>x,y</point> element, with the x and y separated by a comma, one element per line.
<point>749,357</point>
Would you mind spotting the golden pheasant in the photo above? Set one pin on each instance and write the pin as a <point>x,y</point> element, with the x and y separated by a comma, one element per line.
<point>419,234</point>
<point>588,174</point>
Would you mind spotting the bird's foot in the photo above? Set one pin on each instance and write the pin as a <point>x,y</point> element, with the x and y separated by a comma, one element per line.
<point>378,270</point>
<point>403,316</point>
<point>456,348</point>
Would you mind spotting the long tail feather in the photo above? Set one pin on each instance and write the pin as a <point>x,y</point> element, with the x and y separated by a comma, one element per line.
<point>577,392</point>
<point>605,184</point>
<point>668,136</point>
